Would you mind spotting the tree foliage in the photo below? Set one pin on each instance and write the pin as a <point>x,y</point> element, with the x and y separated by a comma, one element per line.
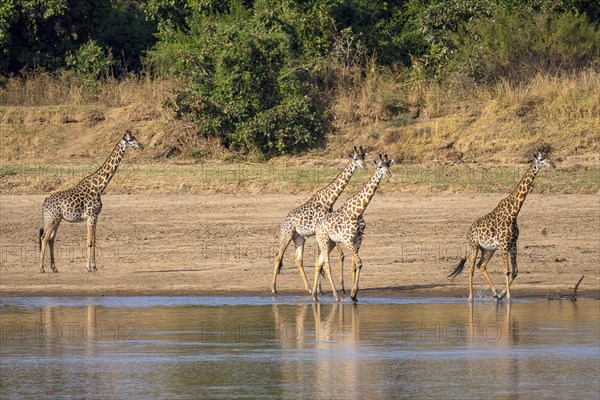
<point>516,46</point>
<point>247,84</point>
<point>40,33</point>
<point>259,71</point>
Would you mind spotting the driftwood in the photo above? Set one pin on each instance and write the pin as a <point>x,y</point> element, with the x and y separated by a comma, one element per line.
<point>572,296</point>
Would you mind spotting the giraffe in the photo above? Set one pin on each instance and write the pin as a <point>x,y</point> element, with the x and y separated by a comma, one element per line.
<point>498,230</point>
<point>300,223</point>
<point>80,203</point>
<point>346,226</point>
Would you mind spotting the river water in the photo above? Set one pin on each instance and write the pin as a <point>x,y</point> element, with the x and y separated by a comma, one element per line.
<point>288,347</point>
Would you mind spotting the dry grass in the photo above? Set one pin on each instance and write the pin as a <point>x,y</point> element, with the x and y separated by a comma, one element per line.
<point>453,121</point>
<point>393,111</point>
<point>44,117</point>
<point>39,88</point>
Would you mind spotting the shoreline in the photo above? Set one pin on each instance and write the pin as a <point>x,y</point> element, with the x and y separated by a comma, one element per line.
<point>548,292</point>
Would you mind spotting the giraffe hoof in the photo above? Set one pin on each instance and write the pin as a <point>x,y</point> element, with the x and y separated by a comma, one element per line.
<point>354,299</point>
<point>42,271</point>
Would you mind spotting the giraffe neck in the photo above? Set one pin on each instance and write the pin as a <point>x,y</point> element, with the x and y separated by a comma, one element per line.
<point>98,181</point>
<point>518,195</point>
<point>360,201</point>
<point>330,193</point>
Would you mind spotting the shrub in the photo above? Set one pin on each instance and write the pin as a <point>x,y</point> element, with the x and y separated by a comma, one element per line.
<point>246,84</point>
<point>517,46</point>
<point>90,61</point>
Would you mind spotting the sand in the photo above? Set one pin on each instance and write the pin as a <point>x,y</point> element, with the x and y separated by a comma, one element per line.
<point>224,244</point>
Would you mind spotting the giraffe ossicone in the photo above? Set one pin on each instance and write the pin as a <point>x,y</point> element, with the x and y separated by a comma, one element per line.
<point>82,202</point>
<point>498,230</point>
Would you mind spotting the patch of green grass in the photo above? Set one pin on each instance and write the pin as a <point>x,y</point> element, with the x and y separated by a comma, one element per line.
<point>235,177</point>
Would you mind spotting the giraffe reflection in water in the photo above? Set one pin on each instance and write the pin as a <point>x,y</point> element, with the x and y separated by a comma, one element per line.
<point>329,333</point>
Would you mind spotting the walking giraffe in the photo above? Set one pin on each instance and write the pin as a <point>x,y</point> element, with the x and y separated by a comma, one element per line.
<point>80,203</point>
<point>345,226</point>
<point>498,230</point>
<point>300,223</point>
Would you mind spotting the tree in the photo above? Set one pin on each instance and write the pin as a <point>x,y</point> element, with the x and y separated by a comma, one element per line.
<point>40,33</point>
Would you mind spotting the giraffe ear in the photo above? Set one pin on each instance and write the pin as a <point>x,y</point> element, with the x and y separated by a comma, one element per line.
<point>375,162</point>
<point>391,162</point>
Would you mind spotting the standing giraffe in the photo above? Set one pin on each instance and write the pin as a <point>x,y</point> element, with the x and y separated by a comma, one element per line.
<point>81,202</point>
<point>300,223</point>
<point>498,230</point>
<point>344,226</point>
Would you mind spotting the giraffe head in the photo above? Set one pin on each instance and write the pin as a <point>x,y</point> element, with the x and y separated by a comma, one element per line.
<point>383,165</point>
<point>541,157</point>
<point>358,158</point>
<point>129,141</point>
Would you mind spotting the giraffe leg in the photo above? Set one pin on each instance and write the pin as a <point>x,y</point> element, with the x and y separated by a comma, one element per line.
<point>356,267</point>
<point>362,225</point>
<point>51,245</point>
<point>284,241</point>
<point>322,274</point>
<point>341,255</point>
<point>91,244</point>
<point>482,265</point>
<point>507,274</point>
<point>45,235</point>
<point>472,259</point>
<point>43,242</point>
<point>328,273</point>
<point>320,289</point>
<point>318,268</point>
<point>324,248</point>
<point>299,243</point>
<point>512,252</point>
<point>341,266</point>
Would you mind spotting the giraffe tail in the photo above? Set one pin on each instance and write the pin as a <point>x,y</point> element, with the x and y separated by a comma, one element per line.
<point>459,268</point>
<point>40,238</point>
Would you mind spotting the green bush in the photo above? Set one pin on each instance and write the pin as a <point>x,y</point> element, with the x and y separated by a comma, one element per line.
<point>246,85</point>
<point>516,46</point>
<point>438,22</point>
<point>41,33</point>
<point>90,61</point>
